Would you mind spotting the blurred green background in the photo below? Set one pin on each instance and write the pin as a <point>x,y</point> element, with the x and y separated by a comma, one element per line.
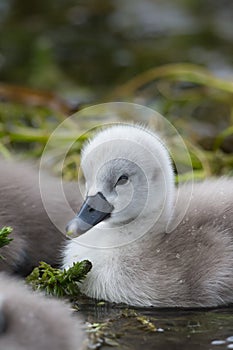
<point>58,56</point>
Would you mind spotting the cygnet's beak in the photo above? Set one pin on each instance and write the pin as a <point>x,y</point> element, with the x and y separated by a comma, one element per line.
<point>94,210</point>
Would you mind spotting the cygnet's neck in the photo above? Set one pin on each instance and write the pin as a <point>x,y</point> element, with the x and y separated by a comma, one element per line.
<point>161,203</point>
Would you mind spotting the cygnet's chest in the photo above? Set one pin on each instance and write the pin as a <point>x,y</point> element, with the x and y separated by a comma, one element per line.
<point>105,262</point>
<point>112,276</point>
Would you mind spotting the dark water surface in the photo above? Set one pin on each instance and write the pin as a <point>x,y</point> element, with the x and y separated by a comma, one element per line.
<point>150,328</point>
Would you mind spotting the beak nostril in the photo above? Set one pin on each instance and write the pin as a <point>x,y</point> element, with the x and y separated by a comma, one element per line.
<point>94,210</point>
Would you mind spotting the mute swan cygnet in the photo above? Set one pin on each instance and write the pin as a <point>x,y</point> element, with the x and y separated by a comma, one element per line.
<point>30,321</point>
<point>35,237</point>
<point>122,227</point>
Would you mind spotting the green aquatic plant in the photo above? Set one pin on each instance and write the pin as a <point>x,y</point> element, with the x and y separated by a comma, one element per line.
<point>143,320</point>
<point>4,233</point>
<point>59,282</point>
<point>99,335</point>
<point>4,239</point>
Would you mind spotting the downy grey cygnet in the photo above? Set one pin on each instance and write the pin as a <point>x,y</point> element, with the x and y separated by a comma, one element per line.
<point>123,226</point>
<point>35,237</point>
<point>29,320</point>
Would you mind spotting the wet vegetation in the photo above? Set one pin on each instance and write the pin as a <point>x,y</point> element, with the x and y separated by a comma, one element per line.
<point>59,283</point>
<point>58,57</point>
<point>4,236</point>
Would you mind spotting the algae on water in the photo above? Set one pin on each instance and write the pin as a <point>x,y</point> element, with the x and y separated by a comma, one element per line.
<point>59,282</point>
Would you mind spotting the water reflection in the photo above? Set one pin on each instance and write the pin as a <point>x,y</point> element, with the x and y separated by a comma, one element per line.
<point>174,328</point>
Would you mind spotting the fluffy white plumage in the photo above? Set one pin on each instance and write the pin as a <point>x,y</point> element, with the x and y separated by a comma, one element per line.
<point>135,260</point>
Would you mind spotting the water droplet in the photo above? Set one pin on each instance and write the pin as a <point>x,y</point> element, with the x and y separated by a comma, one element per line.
<point>230,339</point>
<point>181,281</point>
<point>158,250</point>
<point>177,255</point>
<point>218,342</point>
<point>224,216</point>
<point>160,330</point>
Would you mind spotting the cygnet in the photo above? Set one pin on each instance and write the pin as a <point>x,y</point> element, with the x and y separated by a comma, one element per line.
<point>31,321</point>
<point>35,236</point>
<point>150,244</point>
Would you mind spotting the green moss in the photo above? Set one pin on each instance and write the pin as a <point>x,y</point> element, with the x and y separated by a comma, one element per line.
<point>59,282</point>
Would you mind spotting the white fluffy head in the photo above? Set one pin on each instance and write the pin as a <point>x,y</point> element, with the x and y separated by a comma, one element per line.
<point>131,167</point>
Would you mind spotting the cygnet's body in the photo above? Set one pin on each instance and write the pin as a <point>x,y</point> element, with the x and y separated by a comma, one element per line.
<point>30,321</point>
<point>136,258</point>
<point>35,237</point>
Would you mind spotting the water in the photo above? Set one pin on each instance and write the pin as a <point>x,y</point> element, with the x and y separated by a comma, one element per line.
<point>150,328</point>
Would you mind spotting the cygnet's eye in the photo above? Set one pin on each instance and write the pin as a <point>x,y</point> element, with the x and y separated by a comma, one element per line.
<point>122,180</point>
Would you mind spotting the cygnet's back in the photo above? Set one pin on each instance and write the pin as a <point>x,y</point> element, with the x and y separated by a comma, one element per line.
<point>35,237</point>
<point>193,264</point>
<point>151,245</point>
